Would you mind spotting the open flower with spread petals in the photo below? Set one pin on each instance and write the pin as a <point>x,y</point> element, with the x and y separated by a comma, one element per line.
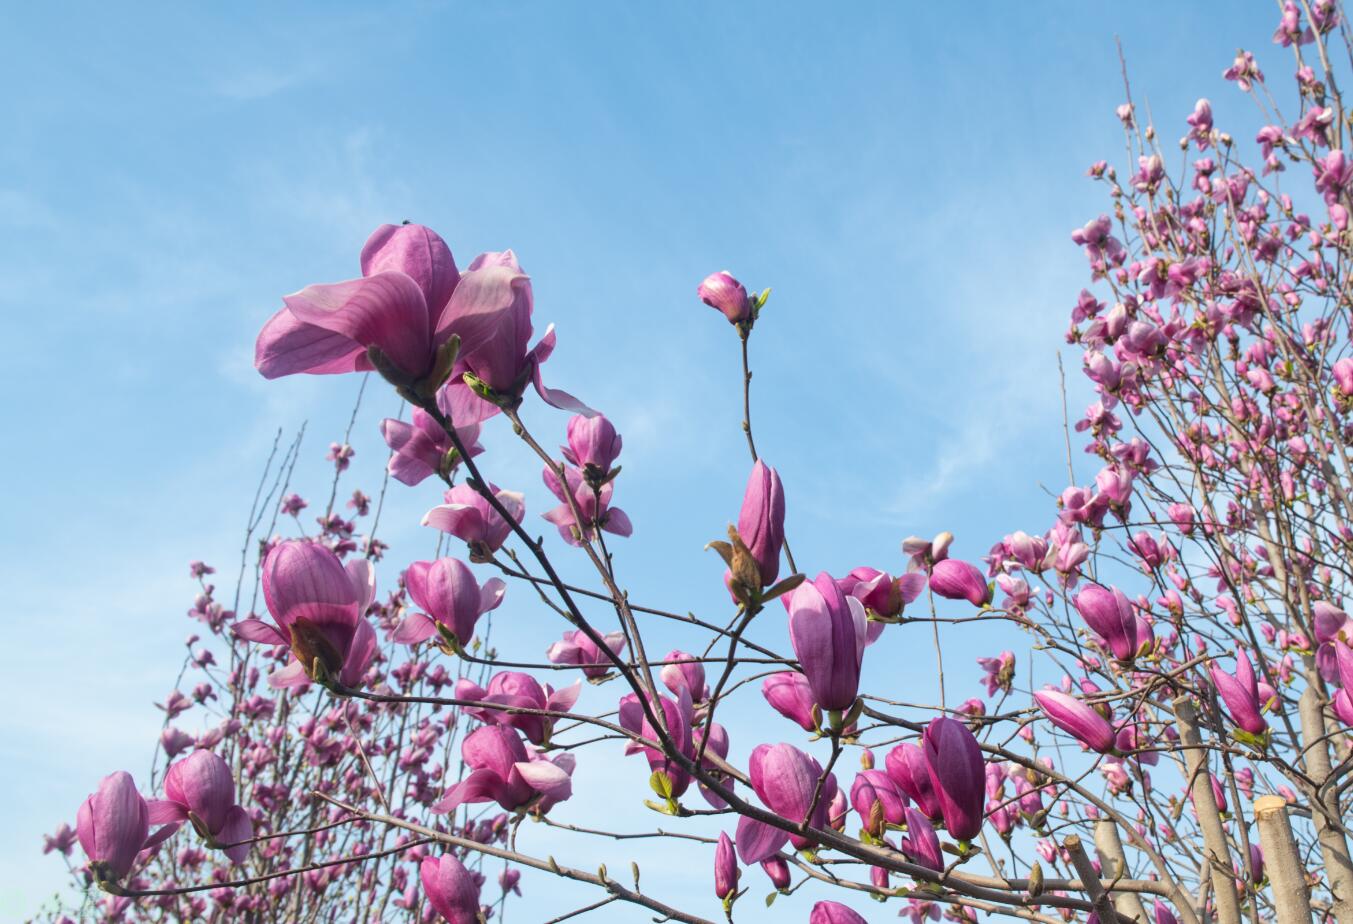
<point>422,448</point>
<point>785,779</point>
<point>515,690</point>
<point>318,604</point>
<point>503,771</point>
<point>577,648</point>
<point>200,789</point>
<point>452,890</point>
<point>451,599</point>
<point>467,515</point>
<point>882,595</point>
<point>593,505</point>
<point>395,314</point>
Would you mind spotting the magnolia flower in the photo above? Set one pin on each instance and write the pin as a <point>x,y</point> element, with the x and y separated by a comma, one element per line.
<point>200,789</point>
<point>725,868</point>
<point>1109,615</point>
<point>577,648</point>
<point>679,718</point>
<point>921,845</point>
<point>725,294</point>
<point>422,448</point>
<point>680,669</point>
<point>112,826</point>
<point>514,689</point>
<point>452,890</point>
<point>503,771</point>
<point>592,504</point>
<point>593,446</point>
<point>1077,719</point>
<point>834,913</point>
<point>490,311</point>
<point>827,631</point>
<point>468,516</point>
<point>786,780</point>
<point>398,308</point>
<point>957,775</point>
<point>318,604</point>
<point>761,522</point>
<point>906,765</point>
<point>789,694</point>
<point>875,788</point>
<point>1240,692</point>
<point>449,595</point>
<point>959,580</point>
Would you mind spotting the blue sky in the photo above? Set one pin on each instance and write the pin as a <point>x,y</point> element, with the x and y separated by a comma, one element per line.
<point>905,177</point>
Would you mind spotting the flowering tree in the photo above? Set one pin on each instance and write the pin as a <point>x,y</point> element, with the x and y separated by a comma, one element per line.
<point>375,757</point>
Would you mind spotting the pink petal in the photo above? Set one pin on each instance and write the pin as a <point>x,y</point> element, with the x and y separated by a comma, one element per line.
<point>385,310</point>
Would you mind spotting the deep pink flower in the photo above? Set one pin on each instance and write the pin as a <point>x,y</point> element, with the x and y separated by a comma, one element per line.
<point>761,522</point>
<point>61,840</point>
<point>470,517</point>
<point>785,779</point>
<point>490,311</point>
<point>593,505</point>
<point>422,448</point>
<point>959,580</point>
<point>957,775</point>
<point>448,593</point>
<point>1330,623</point>
<point>998,672</point>
<point>723,293</point>
<point>1240,692</point>
<point>833,913</point>
<point>451,889</point>
<point>790,695</point>
<point>399,305</point>
<point>881,593</point>
<point>112,825</point>
<point>680,669</point>
<point>778,871</point>
<point>200,789</point>
<point>577,648</point>
<point>725,868</point>
<point>593,445</point>
<point>502,771</point>
<point>827,631</point>
<point>906,765</point>
<point>1077,719</point>
<point>1109,615</point>
<point>921,844</point>
<point>522,691</point>
<point>679,718</point>
<point>318,604</point>
<point>874,787</point>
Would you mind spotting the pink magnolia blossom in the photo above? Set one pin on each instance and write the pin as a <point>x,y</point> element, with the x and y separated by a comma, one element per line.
<point>448,594</point>
<point>1077,719</point>
<point>959,580</point>
<point>517,690</point>
<point>592,504</point>
<point>1240,692</point>
<point>827,631</point>
<point>725,294</point>
<point>318,604</point>
<point>577,648</point>
<point>785,779</point>
<point>503,771</point>
<point>761,522</point>
<point>725,868</point>
<point>790,694</point>
<point>829,912</point>
<point>451,889</point>
<point>422,448</point>
<point>468,516</point>
<point>399,306</point>
<point>593,446</point>
<point>201,789</point>
<point>907,766</point>
<point>112,826</point>
<point>957,775</point>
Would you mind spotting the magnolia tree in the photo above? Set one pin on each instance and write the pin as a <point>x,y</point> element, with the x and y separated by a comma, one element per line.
<point>376,755</point>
